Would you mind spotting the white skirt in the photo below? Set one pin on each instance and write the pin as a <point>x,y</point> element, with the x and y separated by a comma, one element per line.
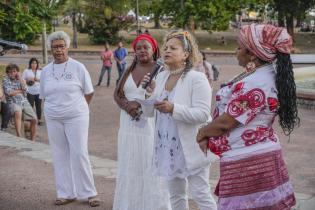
<point>136,187</point>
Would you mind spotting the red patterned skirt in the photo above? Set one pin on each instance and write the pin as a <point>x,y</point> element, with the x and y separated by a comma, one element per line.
<point>258,182</point>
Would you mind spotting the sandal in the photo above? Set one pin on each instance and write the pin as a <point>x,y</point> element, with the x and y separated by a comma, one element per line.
<point>94,201</point>
<point>63,201</point>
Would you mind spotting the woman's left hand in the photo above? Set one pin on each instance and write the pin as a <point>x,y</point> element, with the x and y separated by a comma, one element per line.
<point>201,134</point>
<point>202,139</point>
<point>164,107</point>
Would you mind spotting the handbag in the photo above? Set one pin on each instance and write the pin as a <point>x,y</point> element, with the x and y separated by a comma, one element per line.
<point>30,82</point>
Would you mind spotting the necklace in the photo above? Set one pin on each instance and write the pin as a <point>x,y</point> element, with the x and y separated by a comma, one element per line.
<point>241,76</point>
<point>63,73</point>
<point>177,71</point>
<point>246,74</point>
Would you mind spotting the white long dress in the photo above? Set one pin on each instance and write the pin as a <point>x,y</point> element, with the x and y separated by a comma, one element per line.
<point>136,187</point>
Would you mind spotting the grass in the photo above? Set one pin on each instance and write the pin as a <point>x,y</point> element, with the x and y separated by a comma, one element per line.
<point>2,71</point>
<point>304,42</point>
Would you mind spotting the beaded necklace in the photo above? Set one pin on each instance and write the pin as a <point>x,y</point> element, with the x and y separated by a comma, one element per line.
<point>63,73</point>
<point>177,71</point>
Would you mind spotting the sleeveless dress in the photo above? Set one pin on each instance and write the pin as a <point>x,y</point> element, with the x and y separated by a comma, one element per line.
<point>136,187</point>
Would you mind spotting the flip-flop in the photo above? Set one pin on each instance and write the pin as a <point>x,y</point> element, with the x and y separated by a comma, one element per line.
<point>63,201</point>
<point>94,201</point>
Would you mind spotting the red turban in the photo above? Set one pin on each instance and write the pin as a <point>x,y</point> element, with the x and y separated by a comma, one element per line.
<point>146,37</point>
<point>265,40</point>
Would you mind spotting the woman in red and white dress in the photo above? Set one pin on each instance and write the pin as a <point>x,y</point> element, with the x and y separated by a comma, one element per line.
<point>253,174</point>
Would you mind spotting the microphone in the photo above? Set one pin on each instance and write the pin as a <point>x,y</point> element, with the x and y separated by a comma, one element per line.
<point>7,45</point>
<point>157,68</point>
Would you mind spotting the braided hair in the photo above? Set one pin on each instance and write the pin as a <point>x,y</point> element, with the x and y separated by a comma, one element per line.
<point>287,110</point>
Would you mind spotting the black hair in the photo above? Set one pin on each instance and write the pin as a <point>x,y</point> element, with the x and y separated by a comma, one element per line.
<point>31,61</point>
<point>10,67</point>
<point>287,110</point>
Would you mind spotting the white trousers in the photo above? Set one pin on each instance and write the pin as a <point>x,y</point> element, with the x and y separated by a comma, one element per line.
<point>199,188</point>
<point>68,140</point>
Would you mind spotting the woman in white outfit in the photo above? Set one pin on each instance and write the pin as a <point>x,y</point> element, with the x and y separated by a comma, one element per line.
<point>67,90</point>
<point>32,78</point>
<point>183,99</point>
<point>136,187</point>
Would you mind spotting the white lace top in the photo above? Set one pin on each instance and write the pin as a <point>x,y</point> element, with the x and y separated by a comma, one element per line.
<point>168,158</point>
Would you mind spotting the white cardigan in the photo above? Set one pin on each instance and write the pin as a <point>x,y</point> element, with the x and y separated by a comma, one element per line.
<point>192,106</point>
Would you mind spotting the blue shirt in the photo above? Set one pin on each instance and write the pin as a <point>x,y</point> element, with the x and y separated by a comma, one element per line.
<point>120,54</point>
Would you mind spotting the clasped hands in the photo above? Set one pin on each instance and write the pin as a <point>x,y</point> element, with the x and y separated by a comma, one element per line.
<point>134,110</point>
<point>202,139</point>
<point>162,106</point>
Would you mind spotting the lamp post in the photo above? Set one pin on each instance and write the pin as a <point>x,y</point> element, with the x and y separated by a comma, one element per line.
<point>138,25</point>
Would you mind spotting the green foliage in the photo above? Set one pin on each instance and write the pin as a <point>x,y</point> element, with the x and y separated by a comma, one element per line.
<point>209,15</point>
<point>105,19</point>
<point>18,24</point>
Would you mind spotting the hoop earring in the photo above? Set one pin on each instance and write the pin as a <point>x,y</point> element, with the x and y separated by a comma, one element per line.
<point>250,66</point>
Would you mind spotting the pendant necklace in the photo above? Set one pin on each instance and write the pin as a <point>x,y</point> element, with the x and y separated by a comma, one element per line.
<point>63,73</point>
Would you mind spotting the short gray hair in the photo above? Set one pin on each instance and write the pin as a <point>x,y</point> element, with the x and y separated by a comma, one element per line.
<point>58,35</point>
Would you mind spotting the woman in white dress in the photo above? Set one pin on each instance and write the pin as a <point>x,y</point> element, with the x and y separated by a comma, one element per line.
<point>183,99</point>
<point>136,187</point>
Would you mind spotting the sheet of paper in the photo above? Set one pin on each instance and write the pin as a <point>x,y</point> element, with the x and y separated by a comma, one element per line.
<point>147,102</point>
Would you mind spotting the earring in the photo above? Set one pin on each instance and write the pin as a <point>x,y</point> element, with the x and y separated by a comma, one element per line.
<point>250,66</point>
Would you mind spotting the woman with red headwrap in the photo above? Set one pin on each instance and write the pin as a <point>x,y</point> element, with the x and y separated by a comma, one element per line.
<point>253,174</point>
<point>136,187</point>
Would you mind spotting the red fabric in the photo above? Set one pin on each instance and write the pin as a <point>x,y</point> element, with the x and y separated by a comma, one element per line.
<point>146,37</point>
<point>265,40</point>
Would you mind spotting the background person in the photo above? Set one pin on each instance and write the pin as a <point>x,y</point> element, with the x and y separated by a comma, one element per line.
<point>120,55</point>
<point>136,187</point>
<point>14,88</point>
<point>32,78</point>
<point>5,111</point>
<point>67,91</point>
<point>184,100</point>
<point>206,67</point>
<point>106,57</point>
<point>253,174</point>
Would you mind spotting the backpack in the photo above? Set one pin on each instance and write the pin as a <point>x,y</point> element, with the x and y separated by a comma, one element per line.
<point>216,72</point>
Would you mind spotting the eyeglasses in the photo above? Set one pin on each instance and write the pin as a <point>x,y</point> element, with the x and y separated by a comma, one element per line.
<point>56,47</point>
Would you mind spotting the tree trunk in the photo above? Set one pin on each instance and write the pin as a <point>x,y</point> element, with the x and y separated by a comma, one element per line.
<point>298,21</point>
<point>75,32</point>
<point>192,24</point>
<point>44,46</point>
<point>157,20</point>
<point>290,24</point>
<point>280,19</point>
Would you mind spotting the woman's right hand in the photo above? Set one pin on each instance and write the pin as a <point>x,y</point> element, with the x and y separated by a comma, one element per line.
<point>150,88</point>
<point>132,108</point>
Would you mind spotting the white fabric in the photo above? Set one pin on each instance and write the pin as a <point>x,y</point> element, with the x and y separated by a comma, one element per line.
<point>208,70</point>
<point>199,188</point>
<point>64,97</point>
<point>68,140</point>
<point>28,74</point>
<point>192,103</point>
<point>136,187</point>
<point>168,157</point>
<point>259,87</point>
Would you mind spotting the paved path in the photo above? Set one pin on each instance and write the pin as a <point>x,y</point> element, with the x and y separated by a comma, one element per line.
<point>102,167</point>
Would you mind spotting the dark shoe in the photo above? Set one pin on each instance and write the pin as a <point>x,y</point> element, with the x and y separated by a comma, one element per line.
<point>63,201</point>
<point>94,201</point>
